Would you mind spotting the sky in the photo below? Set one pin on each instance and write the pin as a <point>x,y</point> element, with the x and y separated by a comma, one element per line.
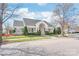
<point>35,6</point>
<point>38,11</point>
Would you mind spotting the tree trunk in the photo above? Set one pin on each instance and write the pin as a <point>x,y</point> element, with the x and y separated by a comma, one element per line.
<point>62,27</point>
<point>1,28</point>
<point>0,33</point>
<point>62,31</point>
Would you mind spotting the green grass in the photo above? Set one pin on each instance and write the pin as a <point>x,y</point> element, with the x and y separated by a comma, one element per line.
<point>23,38</point>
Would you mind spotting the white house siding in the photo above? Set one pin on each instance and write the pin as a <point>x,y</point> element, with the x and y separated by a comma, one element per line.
<point>50,29</point>
<point>41,25</point>
<point>31,29</point>
<point>19,30</point>
<point>37,25</point>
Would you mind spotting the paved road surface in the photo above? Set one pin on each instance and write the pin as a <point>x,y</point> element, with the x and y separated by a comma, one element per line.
<point>49,47</point>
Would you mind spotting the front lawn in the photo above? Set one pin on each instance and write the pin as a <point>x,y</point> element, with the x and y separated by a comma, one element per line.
<point>23,38</point>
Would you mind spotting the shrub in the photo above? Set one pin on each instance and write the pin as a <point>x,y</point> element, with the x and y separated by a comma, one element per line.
<point>58,30</point>
<point>48,33</point>
<point>32,33</point>
<point>35,33</point>
<point>25,31</point>
<point>54,31</point>
<point>39,32</point>
<point>14,30</point>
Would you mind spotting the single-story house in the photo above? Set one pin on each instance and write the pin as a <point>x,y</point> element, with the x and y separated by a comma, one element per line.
<point>32,26</point>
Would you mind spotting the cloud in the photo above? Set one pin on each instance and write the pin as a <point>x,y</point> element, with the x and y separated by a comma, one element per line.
<point>21,12</point>
<point>41,4</point>
<point>47,15</point>
<point>44,15</point>
<point>25,13</point>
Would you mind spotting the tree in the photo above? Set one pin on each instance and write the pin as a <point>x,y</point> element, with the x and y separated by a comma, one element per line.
<point>62,11</point>
<point>58,30</point>
<point>14,30</point>
<point>25,31</point>
<point>7,28</point>
<point>5,14</point>
<point>54,31</point>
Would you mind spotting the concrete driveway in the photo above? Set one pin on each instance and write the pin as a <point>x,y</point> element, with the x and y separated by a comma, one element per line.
<point>60,46</point>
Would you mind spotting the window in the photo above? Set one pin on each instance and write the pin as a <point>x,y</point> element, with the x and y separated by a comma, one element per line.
<point>32,29</point>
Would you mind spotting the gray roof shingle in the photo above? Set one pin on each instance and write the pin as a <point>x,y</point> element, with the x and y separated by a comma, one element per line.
<point>18,23</point>
<point>30,22</point>
<point>48,24</point>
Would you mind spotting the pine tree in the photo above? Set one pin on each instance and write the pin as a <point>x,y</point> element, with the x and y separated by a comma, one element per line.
<point>58,30</point>
<point>14,30</point>
<point>25,31</point>
<point>54,31</point>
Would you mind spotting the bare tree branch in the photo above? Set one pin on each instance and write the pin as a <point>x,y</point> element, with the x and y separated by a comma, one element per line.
<point>62,11</point>
<point>10,15</point>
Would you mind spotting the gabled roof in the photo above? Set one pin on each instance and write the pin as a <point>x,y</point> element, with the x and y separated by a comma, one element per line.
<point>48,24</point>
<point>18,23</point>
<point>30,22</point>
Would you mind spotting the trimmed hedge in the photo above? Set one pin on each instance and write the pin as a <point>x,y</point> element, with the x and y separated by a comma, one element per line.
<point>39,33</point>
<point>48,33</point>
<point>35,33</point>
